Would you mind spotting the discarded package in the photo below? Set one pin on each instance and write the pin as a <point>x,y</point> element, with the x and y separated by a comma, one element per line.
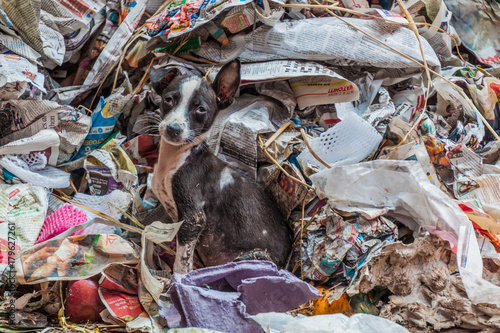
<point>237,290</point>
<point>71,258</point>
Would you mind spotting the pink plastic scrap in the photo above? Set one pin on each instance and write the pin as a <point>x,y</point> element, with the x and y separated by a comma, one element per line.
<point>62,219</point>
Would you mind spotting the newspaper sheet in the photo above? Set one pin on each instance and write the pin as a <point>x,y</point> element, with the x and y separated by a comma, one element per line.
<point>75,41</point>
<point>36,28</point>
<point>6,235</point>
<point>483,188</point>
<point>439,40</point>
<point>286,144</point>
<point>312,84</point>
<point>42,24</point>
<point>17,69</point>
<point>279,90</point>
<point>151,285</point>
<point>11,41</point>
<point>435,12</point>
<point>71,15</point>
<point>20,114</point>
<point>115,46</point>
<point>109,55</point>
<point>305,39</point>
<point>233,136</point>
<point>26,209</point>
<point>451,96</point>
<point>465,162</point>
<point>242,17</point>
<point>483,90</point>
<point>165,232</point>
<point>324,39</point>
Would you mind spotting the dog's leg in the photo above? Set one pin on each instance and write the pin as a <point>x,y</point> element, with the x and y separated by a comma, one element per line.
<point>184,257</point>
<point>187,238</point>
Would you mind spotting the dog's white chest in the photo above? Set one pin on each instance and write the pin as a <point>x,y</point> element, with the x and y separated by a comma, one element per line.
<point>169,162</point>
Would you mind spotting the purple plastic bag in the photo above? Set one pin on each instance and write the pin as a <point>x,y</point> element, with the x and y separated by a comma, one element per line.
<point>222,297</point>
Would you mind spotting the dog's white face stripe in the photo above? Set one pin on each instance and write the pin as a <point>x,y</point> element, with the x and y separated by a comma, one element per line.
<point>180,115</point>
<point>226,178</point>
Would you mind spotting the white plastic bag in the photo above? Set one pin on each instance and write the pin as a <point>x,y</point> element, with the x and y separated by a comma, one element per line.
<point>274,322</point>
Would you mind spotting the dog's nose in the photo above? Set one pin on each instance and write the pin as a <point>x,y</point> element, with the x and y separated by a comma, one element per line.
<point>173,130</point>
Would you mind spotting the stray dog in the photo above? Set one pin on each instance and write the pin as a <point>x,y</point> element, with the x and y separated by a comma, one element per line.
<point>226,216</point>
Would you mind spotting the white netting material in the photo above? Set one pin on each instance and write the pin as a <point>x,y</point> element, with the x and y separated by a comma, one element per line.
<point>35,161</point>
<point>33,169</point>
<point>98,228</point>
<point>350,141</point>
<point>105,203</point>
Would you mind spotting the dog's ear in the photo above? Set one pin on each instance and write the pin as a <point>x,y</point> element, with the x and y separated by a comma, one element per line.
<point>161,78</point>
<point>226,83</point>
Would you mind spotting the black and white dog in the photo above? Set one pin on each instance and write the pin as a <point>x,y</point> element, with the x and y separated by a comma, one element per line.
<point>226,216</point>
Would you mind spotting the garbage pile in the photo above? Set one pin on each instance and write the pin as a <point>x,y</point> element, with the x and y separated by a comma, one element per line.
<point>374,126</point>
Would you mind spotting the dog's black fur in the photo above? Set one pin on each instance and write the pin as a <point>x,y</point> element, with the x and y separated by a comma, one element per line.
<point>226,216</point>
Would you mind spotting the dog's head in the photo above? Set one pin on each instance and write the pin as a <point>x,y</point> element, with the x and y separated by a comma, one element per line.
<point>189,103</point>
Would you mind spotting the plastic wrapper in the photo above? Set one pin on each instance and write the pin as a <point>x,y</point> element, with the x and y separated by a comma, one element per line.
<point>59,221</point>
<point>103,121</point>
<point>359,323</point>
<point>33,169</point>
<point>72,258</point>
<point>180,18</point>
<point>109,168</point>
<point>477,31</point>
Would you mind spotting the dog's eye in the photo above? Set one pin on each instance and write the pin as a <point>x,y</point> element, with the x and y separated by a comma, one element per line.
<point>201,110</point>
<point>169,100</point>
